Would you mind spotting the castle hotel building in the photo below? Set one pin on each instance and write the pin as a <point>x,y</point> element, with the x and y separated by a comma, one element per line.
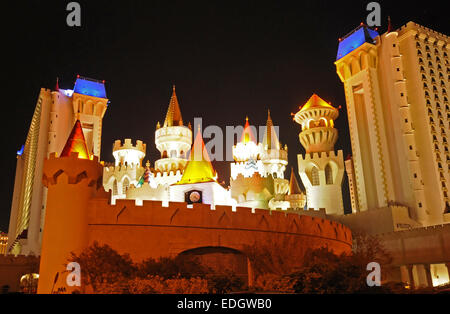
<point>396,87</point>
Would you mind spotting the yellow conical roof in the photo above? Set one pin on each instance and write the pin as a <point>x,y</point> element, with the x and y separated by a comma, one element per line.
<point>173,116</point>
<point>316,102</point>
<point>199,168</point>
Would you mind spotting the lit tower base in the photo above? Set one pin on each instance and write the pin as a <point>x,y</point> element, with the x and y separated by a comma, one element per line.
<point>72,180</point>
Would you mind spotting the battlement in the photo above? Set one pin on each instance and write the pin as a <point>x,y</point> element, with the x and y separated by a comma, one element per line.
<point>321,156</point>
<point>180,134</point>
<point>120,168</point>
<point>127,144</point>
<point>152,213</point>
<point>255,176</point>
<point>279,154</point>
<point>417,27</point>
<point>167,174</point>
<point>72,169</point>
<point>19,260</point>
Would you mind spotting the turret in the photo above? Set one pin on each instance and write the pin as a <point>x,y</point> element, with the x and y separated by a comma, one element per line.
<point>295,197</point>
<point>274,156</point>
<point>72,181</point>
<point>247,149</point>
<point>173,139</point>
<point>129,154</point>
<point>317,120</point>
<point>89,105</point>
<point>321,169</point>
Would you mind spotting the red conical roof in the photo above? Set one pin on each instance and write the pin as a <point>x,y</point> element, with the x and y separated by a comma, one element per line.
<point>76,143</point>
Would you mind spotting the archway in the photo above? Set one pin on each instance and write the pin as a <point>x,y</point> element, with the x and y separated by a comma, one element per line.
<point>223,260</point>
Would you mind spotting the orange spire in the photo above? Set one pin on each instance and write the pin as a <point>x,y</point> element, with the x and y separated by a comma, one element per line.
<point>57,85</point>
<point>294,188</point>
<point>247,135</point>
<point>76,143</point>
<point>173,116</point>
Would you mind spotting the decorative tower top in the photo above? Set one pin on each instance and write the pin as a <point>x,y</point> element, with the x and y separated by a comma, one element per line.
<point>273,155</point>
<point>362,34</point>
<point>247,135</point>
<point>270,140</point>
<point>317,120</point>
<point>76,143</point>
<point>173,116</point>
<point>173,139</point>
<point>247,148</point>
<point>199,168</point>
<point>294,187</point>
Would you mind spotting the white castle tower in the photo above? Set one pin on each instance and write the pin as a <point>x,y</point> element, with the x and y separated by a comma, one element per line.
<point>174,141</point>
<point>257,175</point>
<point>246,154</point>
<point>273,156</point>
<point>321,169</point>
<point>127,168</point>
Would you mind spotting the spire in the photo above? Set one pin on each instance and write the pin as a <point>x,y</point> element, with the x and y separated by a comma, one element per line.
<point>270,140</point>
<point>57,84</point>
<point>389,25</point>
<point>147,172</point>
<point>76,143</point>
<point>173,116</point>
<point>294,188</point>
<point>199,168</point>
<point>247,135</point>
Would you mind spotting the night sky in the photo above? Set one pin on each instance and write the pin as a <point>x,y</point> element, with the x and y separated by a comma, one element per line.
<point>228,59</point>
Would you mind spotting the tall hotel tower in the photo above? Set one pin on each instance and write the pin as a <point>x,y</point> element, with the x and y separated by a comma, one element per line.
<point>54,117</point>
<point>396,88</point>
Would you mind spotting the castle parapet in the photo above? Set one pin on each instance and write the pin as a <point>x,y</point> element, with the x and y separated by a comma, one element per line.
<point>127,153</point>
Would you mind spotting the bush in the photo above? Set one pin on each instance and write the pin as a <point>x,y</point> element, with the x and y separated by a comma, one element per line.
<point>274,283</point>
<point>224,283</point>
<point>157,284</point>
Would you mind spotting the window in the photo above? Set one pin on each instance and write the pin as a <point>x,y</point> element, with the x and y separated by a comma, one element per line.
<point>328,174</point>
<point>115,191</point>
<point>315,176</point>
<point>125,185</point>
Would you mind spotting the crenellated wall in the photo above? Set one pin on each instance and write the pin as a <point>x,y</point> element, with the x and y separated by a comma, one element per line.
<point>152,230</point>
